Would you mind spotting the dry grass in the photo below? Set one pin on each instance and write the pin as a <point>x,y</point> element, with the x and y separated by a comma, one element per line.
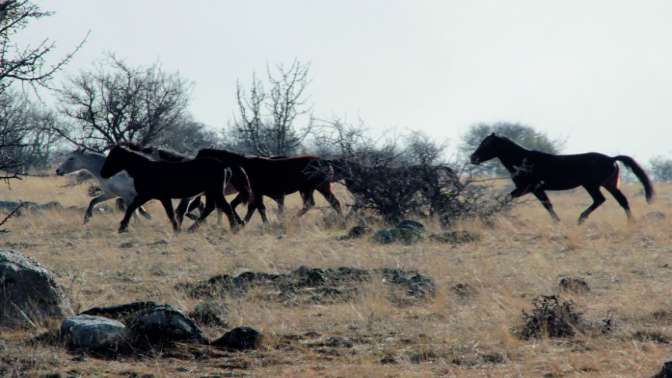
<point>628,267</point>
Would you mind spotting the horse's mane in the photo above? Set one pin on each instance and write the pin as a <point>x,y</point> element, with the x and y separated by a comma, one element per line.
<point>164,153</point>
<point>135,154</point>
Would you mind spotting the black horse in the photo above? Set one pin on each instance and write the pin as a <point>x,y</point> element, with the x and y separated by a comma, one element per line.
<point>167,180</point>
<point>277,177</point>
<point>534,172</point>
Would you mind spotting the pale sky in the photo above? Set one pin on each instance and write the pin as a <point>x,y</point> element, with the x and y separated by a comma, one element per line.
<point>598,73</point>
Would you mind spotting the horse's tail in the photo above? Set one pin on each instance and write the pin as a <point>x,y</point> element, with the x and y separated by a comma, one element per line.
<point>241,182</point>
<point>641,175</point>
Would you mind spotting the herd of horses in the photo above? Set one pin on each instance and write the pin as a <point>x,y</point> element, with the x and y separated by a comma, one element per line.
<point>137,174</point>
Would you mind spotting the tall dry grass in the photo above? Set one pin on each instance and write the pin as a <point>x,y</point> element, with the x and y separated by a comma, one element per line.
<point>628,267</point>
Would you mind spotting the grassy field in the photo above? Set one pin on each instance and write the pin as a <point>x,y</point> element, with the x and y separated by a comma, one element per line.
<point>628,268</point>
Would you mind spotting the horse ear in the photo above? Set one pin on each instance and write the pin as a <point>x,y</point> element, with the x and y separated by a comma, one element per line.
<point>493,134</point>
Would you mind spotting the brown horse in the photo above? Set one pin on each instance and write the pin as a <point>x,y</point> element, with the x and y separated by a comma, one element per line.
<point>278,177</point>
<point>167,180</point>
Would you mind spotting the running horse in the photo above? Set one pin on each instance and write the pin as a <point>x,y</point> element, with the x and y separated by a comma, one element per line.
<point>277,177</point>
<point>164,181</point>
<point>535,172</point>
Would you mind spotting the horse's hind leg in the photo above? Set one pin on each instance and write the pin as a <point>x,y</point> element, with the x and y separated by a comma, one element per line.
<point>622,200</point>
<point>325,190</point>
<point>209,206</point>
<point>225,207</point>
<point>543,198</point>
<point>308,202</point>
<point>89,210</point>
<point>598,199</point>
<point>168,206</point>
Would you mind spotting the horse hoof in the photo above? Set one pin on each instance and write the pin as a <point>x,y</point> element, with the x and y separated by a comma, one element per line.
<point>123,230</point>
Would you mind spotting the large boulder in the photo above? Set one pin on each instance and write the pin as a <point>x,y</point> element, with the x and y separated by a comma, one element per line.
<point>239,338</point>
<point>162,325</point>
<point>94,334</point>
<point>28,292</point>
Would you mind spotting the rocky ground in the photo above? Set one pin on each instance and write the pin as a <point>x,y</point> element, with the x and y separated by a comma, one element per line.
<point>517,297</point>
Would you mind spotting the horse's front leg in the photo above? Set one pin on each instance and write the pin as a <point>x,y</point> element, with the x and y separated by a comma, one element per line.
<point>519,192</point>
<point>130,209</point>
<point>543,198</point>
<point>101,198</point>
<point>168,206</point>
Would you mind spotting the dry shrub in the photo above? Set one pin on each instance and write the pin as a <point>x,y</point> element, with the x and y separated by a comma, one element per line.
<point>550,317</point>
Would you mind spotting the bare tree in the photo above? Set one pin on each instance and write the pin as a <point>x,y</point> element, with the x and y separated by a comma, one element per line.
<point>267,121</point>
<point>25,133</point>
<point>20,65</point>
<point>118,103</point>
<point>27,65</point>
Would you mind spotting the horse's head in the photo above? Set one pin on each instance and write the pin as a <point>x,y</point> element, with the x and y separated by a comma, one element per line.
<point>117,160</point>
<point>486,150</point>
<point>73,162</point>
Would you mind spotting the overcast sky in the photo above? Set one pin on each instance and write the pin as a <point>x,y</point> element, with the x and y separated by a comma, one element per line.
<point>598,73</point>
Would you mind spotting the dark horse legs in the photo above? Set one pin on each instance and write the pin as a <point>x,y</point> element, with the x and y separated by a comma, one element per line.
<point>598,199</point>
<point>168,206</point>
<point>219,201</point>
<point>543,198</point>
<point>618,195</point>
<point>130,209</point>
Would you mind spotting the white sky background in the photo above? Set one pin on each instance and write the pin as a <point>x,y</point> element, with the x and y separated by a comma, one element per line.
<point>598,73</point>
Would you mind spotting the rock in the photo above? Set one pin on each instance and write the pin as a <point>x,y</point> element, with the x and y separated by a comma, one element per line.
<point>355,233</point>
<point>240,338</point>
<point>655,216</point>
<point>573,285</point>
<point>384,236</point>
<point>665,372</point>
<point>310,285</point>
<point>416,285</point>
<point>161,325</point>
<point>122,312</point>
<point>310,277</point>
<point>94,334</point>
<point>210,313</point>
<point>338,342</point>
<point>464,291</point>
<point>412,225</point>
<point>28,292</point>
<point>9,205</point>
<point>407,235</point>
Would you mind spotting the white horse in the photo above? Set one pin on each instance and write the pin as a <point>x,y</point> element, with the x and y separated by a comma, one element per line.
<point>119,185</point>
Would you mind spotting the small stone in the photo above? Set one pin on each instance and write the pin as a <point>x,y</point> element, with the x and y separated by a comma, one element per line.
<point>240,338</point>
<point>574,285</point>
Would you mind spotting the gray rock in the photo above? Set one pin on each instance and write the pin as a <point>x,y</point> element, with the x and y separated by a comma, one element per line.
<point>412,225</point>
<point>240,338</point>
<point>94,334</point>
<point>655,216</point>
<point>384,236</point>
<point>28,292</point>
<point>355,233</point>
<point>573,285</point>
<point>161,325</point>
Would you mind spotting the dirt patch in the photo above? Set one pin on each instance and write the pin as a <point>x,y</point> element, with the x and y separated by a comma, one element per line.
<point>314,285</point>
